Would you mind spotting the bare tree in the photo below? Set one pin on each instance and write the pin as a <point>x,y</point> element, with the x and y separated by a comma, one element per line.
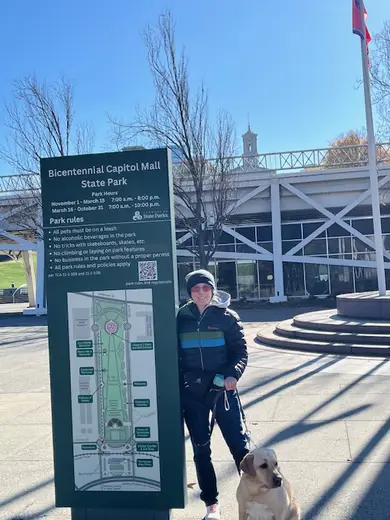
<point>40,123</point>
<point>380,79</point>
<point>179,119</point>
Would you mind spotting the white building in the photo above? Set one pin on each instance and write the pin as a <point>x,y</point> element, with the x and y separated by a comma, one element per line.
<point>298,230</point>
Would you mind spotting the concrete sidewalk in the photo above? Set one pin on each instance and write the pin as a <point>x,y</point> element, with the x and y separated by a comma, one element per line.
<point>12,309</point>
<point>328,418</point>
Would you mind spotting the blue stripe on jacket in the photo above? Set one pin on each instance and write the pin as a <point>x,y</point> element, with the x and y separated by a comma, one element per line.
<point>193,343</point>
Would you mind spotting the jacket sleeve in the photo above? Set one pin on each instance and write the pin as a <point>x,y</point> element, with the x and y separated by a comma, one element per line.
<point>237,346</point>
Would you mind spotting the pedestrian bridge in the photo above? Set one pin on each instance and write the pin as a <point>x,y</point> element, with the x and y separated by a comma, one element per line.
<point>326,186</point>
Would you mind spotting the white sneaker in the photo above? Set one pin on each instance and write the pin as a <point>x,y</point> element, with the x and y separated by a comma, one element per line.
<point>213,512</point>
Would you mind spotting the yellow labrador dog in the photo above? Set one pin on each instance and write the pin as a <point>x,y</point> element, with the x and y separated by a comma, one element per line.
<point>263,493</point>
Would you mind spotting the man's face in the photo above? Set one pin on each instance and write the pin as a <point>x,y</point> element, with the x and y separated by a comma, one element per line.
<point>202,294</point>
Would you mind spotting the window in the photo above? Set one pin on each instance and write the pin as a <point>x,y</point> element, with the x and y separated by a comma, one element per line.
<point>227,280</point>
<point>289,244</point>
<point>335,230</point>
<point>310,227</point>
<point>244,248</point>
<point>365,279</point>
<point>365,226</point>
<point>386,225</point>
<point>182,270</point>
<point>293,279</point>
<point>266,278</point>
<point>316,247</point>
<point>339,245</point>
<point>226,248</point>
<point>248,286</point>
<point>360,247</point>
<point>180,234</point>
<point>264,233</point>
<point>226,238</point>
<point>317,279</point>
<point>386,242</point>
<point>247,232</point>
<point>291,231</point>
<point>269,246</point>
<point>341,279</point>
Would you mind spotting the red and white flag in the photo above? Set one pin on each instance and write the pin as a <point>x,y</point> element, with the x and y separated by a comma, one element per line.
<point>357,26</point>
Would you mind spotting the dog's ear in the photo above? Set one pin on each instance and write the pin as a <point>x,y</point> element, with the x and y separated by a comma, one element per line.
<point>247,465</point>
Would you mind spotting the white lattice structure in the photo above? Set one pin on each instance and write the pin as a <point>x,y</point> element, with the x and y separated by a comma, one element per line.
<point>297,229</point>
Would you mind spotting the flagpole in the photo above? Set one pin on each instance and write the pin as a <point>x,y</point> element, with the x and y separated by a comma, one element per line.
<point>372,166</point>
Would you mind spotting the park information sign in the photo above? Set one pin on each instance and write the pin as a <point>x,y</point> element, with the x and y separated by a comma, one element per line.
<point>111,285</point>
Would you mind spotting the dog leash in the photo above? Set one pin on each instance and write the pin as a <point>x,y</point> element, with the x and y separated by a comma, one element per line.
<point>248,433</point>
<point>214,409</point>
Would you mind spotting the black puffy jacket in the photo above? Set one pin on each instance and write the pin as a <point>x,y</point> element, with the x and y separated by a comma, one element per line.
<point>213,341</point>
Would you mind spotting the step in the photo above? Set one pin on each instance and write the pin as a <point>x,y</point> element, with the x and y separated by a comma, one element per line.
<point>269,337</point>
<point>289,329</point>
<point>328,320</point>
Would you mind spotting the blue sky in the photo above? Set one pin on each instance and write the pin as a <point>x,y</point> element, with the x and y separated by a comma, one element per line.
<point>292,66</point>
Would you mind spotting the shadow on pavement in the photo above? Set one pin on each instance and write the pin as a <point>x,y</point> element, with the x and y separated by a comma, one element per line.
<point>266,381</point>
<point>301,426</point>
<point>22,342</point>
<point>375,503</point>
<point>37,514</point>
<point>27,491</point>
<point>22,321</point>
<point>286,433</point>
<point>289,384</point>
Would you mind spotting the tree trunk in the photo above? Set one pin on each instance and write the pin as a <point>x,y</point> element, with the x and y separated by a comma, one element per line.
<point>30,275</point>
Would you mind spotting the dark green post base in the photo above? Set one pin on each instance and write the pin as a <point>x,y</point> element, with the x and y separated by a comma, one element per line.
<point>119,514</point>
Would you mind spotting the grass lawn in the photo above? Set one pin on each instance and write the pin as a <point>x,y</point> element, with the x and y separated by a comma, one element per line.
<point>13,272</point>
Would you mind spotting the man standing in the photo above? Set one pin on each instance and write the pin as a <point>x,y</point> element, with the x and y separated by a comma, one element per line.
<point>213,356</point>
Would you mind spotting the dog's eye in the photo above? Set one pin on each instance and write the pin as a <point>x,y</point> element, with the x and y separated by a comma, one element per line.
<point>264,466</point>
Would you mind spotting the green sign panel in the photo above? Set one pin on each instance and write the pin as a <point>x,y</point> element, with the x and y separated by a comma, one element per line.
<point>85,352</point>
<point>146,345</point>
<point>145,463</point>
<point>85,398</point>
<point>84,344</point>
<point>147,446</point>
<point>142,432</point>
<point>87,371</point>
<point>111,285</point>
<point>141,403</point>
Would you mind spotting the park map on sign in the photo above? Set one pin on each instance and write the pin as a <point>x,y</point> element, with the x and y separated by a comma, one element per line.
<point>114,401</point>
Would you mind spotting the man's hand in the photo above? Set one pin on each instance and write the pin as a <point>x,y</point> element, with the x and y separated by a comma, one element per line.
<point>230,383</point>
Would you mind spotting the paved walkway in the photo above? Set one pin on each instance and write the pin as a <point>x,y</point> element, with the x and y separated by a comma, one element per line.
<point>328,417</point>
<point>12,309</point>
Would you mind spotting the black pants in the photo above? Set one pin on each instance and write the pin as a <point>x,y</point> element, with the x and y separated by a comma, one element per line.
<point>197,418</point>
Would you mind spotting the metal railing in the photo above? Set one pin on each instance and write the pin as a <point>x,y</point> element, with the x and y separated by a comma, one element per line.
<point>20,289</point>
<point>298,160</point>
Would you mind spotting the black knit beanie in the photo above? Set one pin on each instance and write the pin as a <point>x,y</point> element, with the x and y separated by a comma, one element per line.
<point>200,276</point>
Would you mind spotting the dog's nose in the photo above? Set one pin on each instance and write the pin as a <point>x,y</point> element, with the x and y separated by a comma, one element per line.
<point>277,481</point>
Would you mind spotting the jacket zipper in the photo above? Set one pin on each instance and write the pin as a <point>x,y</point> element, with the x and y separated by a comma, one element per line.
<point>199,346</point>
